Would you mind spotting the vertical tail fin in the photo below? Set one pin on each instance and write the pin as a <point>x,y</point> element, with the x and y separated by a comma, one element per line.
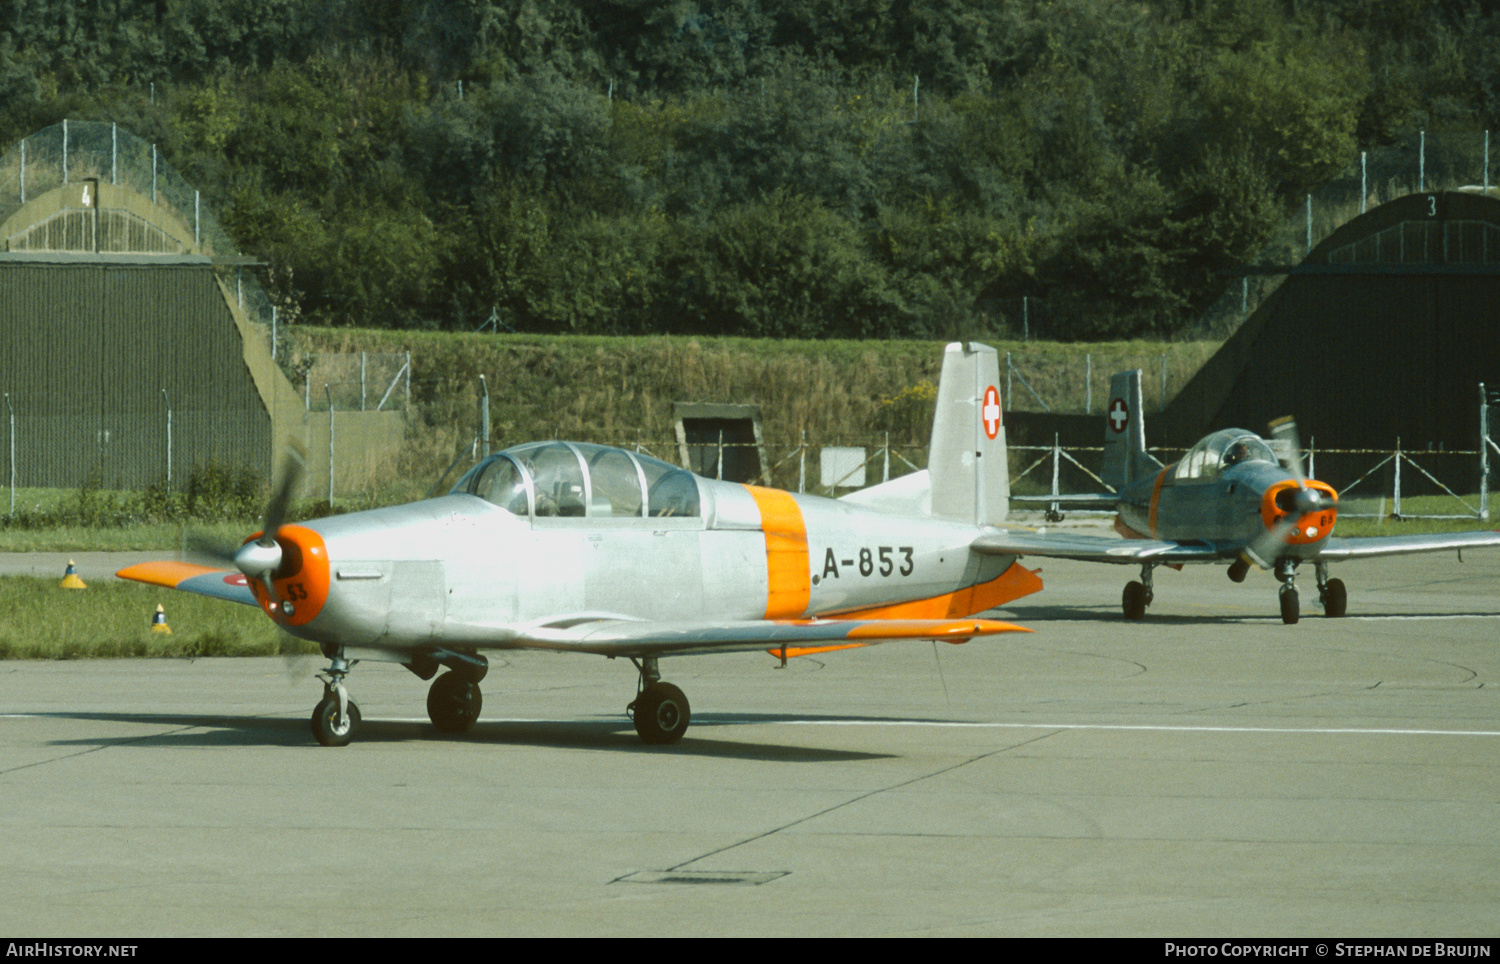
<point>967,464</point>
<point>1125,455</point>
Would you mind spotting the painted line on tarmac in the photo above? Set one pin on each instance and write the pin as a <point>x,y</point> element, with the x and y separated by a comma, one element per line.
<point>710,720</point>
<point>1147,727</point>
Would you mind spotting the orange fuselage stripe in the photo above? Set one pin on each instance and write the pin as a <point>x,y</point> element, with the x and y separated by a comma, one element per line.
<point>1161,478</point>
<point>788,577</point>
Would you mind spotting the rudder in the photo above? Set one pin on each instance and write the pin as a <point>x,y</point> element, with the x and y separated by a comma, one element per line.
<point>1125,455</point>
<point>967,464</point>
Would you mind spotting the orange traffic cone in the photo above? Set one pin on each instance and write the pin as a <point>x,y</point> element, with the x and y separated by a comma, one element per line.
<point>70,578</point>
<point>159,622</point>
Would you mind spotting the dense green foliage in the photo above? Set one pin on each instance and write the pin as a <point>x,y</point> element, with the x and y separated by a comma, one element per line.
<point>831,168</point>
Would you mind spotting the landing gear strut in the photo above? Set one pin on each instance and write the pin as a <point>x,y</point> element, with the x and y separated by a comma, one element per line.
<point>336,716</point>
<point>1138,595</point>
<point>1331,593</point>
<point>660,710</point>
<point>1286,571</point>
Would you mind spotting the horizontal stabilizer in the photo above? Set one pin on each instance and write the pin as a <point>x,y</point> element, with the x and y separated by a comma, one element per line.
<point>1102,501</point>
<point>1062,545</point>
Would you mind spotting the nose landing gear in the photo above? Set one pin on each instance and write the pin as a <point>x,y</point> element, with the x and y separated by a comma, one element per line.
<point>336,716</point>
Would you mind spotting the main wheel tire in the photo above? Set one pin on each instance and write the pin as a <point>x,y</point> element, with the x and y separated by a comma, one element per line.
<point>453,703</point>
<point>661,714</point>
<point>325,727</point>
<point>1133,601</point>
<point>1289,606</point>
<point>1335,598</point>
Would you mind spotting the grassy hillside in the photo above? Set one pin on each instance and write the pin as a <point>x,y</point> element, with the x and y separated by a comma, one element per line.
<point>621,390</point>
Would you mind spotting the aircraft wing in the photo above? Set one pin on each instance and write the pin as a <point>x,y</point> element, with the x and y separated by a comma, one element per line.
<point>1066,545</point>
<point>606,636</point>
<point>1368,547</point>
<point>203,580</point>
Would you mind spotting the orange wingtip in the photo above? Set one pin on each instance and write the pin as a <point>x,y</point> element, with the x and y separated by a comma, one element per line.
<point>960,629</point>
<point>167,574</point>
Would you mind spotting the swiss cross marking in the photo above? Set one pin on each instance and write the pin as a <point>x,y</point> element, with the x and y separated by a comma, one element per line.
<point>1119,415</point>
<point>990,413</point>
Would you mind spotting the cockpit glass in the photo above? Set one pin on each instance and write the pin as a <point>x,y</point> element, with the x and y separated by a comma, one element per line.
<point>502,483</point>
<point>1223,450</point>
<point>617,482</point>
<point>557,474</point>
<point>671,492</point>
<point>574,479</point>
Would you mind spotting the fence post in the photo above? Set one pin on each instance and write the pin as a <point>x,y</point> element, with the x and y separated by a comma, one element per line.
<point>11,409</point>
<point>802,464</point>
<point>329,394</point>
<point>484,414</point>
<point>167,399</point>
<point>1396,489</point>
<point>1484,454</point>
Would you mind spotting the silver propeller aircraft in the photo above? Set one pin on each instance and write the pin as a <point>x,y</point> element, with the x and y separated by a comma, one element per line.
<point>1226,501</point>
<point>585,548</point>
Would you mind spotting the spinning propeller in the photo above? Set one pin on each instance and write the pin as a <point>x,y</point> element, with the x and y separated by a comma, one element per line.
<point>1264,548</point>
<point>260,559</point>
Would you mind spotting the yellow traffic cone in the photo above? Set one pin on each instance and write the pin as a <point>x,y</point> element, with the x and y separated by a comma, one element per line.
<point>159,622</point>
<point>70,578</point>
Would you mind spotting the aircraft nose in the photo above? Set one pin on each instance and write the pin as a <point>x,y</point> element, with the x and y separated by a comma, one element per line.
<point>297,562</point>
<point>1299,512</point>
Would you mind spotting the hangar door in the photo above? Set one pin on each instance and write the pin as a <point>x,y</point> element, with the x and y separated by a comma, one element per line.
<point>112,362</point>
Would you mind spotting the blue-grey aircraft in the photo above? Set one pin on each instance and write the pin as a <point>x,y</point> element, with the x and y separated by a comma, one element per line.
<point>592,549</point>
<point>1229,500</point>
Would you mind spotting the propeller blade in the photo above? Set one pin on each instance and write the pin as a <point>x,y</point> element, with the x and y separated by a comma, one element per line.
<point>292,468</point>
<point>259,559</point>
<point>1284,430</point>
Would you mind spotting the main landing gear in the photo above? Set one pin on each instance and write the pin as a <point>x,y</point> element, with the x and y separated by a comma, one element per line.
<point>1332,594</point>
<point>1138,595</point>
<point>660,710</point>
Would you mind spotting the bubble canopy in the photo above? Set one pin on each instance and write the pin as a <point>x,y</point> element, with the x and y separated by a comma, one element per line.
<point>581,480</point>
<point>1222,450</point>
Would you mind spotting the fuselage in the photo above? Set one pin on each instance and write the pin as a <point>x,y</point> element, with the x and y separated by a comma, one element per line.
<point>557,531</point>
<point>1199,500</point>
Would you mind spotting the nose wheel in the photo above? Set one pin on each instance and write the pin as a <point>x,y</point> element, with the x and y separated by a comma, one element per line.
<point>336,717</point>
<point>1290,607</point>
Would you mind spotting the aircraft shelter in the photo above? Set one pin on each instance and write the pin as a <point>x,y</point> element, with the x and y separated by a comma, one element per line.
<point>1383,331</point>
